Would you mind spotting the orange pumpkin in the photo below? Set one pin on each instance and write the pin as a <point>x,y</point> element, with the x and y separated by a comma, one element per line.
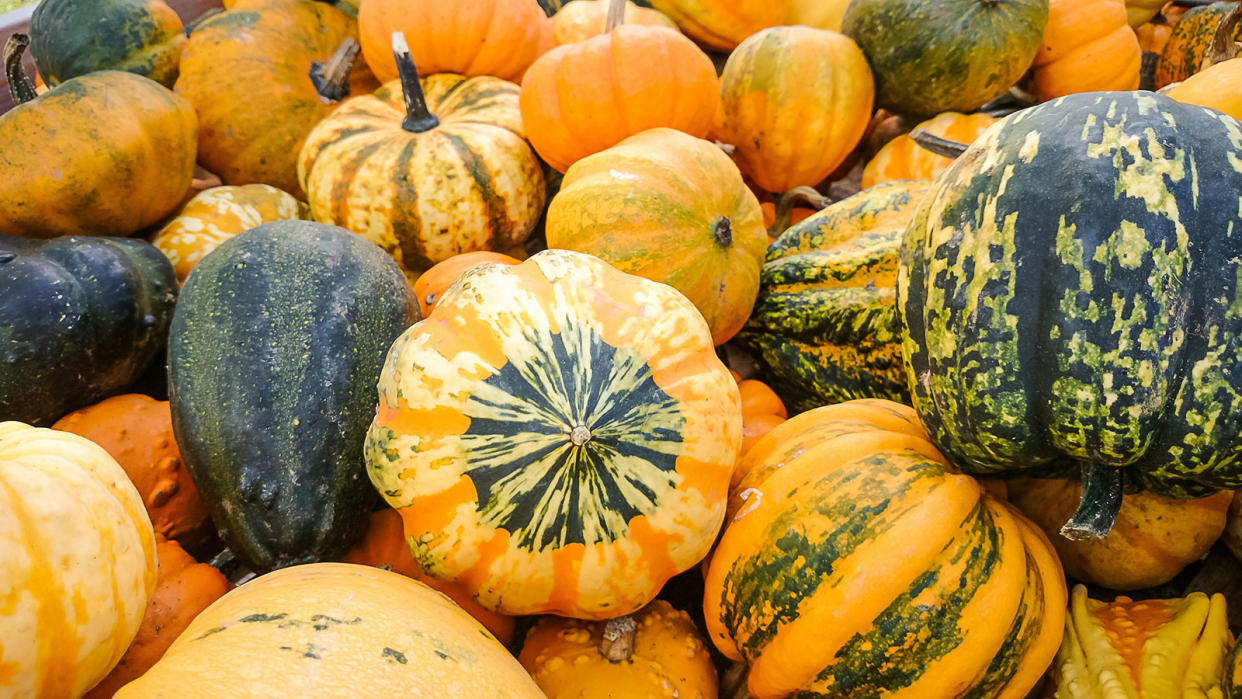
<point>1088,46</point>
<point>723,25</point>
<point>432,284</point>
<point>581,98</point>
<point>136,430</point>
<point>903,159</point>
<point>467,37</point>
<point>794,103</point>
<point>583,19</point>
<point>184,588</point>
<point>762,411</point>
<point>1154,35</point>
<point>384,545</point>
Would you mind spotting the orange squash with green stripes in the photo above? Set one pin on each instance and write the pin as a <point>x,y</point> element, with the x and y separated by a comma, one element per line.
<point>557,435</point>
<point>857,562</point>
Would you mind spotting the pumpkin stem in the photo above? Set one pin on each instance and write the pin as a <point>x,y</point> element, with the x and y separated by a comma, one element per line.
<point>940,146</point>
<point>580,435</point>
<point>785,206</point>
<point>1223,47</point>
<point>417,117</point>
<point>20,86</point>
<point>1147,71</point>
<point>1102,489</point>
<point>617,645</point>
<point>615,16</point>
<point>723,230</point>
<point>331,77</point>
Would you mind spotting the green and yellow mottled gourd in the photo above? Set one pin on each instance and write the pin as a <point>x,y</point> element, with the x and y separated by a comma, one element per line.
<point>69,38</point>
<point>1092,320</point>
<point>1188,46</point>
<point>1142,650</point>
<point>825,327</point>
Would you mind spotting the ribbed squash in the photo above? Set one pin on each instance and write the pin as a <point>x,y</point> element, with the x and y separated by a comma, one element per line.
<point>1141,11</point>
<point>426,170</point>
<point>334,630</point>
<point>821,14</point>
<point>671,208</point>
<point>903,159</point>
<point>794,101</point>
<point>214,215</point>
<point>1142,650</point>
<point>557,435</point>
<point>933,56</point>
<point>1187,48</point>
<point>78,559</point>
<point>1153,539</point>
<point>723,25</point>
<point>1088,47</point>
<point>69,38</point>
<point>655,652</point>
<point>860,563</point>
<point>1091,320</point>
<point>248,73</point>
<point>583,19</point>
<point>825,327</point>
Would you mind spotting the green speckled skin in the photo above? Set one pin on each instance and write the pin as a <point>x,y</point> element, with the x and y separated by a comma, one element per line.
<point>69,38</point>
<point>933,56</point>
<point>274,354</point>
<point>1071,289</point>
<point>825,327</point>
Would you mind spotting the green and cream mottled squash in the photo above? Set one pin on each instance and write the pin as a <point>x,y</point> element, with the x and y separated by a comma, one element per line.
<point>69,38</point>
<point>1097,320</point>
<point>1188,45</point>
<point>557,435</point>
<point>825,328</point>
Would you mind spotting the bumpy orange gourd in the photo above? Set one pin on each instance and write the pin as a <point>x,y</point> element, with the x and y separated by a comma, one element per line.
<point>183,589</point>
<point>794,103</point>
<point>334,630</point>
<point>762,411</point>
<point>217,214</point>
<point>137,431</point>
<point>655,652</point>
<point>500,38</point>
<point>384,545</point>
<point>856,561</point>
<point>1088,46</point>
<point>1153,539</point>
<point>77,556</point>
<point>903,159</point>
<point>432,284</point>
<point>583,19</point>
<point>673,209</point>
<point>723,25</point>
<point>583,97</point>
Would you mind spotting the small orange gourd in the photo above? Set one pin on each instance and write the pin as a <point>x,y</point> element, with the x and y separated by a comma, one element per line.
<point>762,411</point>
<point>583,19</point>
<point>432,284</point>
<point>903,159</point>
<point>1088,47</point>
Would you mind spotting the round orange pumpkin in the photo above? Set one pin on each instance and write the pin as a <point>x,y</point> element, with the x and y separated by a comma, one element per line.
<point>723,25</point>
<point>500,38</point>
<point>583,19</point>
<point>1088,47</point>
<point>795,101</point>
<point>432,284</point>
<point>903,159</point>
<point>136,430</point>
<point>583,97</point>
<point>671,208</point>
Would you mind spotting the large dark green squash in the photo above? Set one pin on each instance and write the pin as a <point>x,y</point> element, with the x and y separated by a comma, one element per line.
<point>1189,43</point>
<point>933,56</point>
<point>69,38</point>
<point>80,319</point>
<point>825,328</point>
<point>1071,290</point>
<point>274,353</point>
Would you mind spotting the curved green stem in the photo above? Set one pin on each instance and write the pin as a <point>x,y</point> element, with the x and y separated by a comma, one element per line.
<point>1102,490</point>
<point>940,146</point>
<point>417,117</point>
<point>20,86</point>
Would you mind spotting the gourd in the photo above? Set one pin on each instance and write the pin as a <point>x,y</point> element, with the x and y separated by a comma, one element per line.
<point>821,14</point>
<point>1017,275</point>
<point>584,19</point>
<point>722,26</point>
<point>559,407</point>
<point>69,38</point>
<point>858,562</point>
<point>334,629</point>
<point>1188,46</point>
<point>762,411</point>
<point>300,314</point>
<point>1216,86</point>
<point>673,209</point>
<point>825,327</point>
<point>426,170</point>
<point>1141,11</point>
<point>1088,47</point>
<point>794,101</point>
<point>84,317</point>
<point>432,284</point>
<point>78,560</point>
<point>904,159</point>
<point>136,430</point>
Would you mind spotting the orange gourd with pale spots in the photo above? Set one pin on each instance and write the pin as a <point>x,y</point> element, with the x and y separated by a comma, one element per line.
<point>583,19</point>
<point>1088,47</point>
<point>432,284</point>
<point>659,655</point>
<point>903,159</point>
<point>384,545</point>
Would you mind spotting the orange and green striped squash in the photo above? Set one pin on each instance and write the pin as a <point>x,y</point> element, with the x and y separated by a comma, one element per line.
<point>674,209</point>
<point>903,159</point>
<point>557,435</point>
<point>1188,46</point>
<point>861,564</point>
<point>1142,650</point>
<point>77,555</point>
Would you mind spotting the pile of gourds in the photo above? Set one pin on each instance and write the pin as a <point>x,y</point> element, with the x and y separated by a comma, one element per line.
<point>520,348</point>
